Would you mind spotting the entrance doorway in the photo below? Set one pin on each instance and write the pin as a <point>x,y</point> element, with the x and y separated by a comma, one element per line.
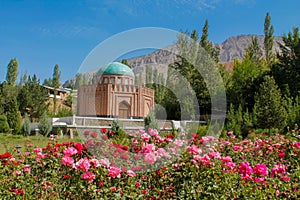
<point>124,110</point>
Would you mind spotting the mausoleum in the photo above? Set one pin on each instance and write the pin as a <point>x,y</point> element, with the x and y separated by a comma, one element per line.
<point>115,95</point>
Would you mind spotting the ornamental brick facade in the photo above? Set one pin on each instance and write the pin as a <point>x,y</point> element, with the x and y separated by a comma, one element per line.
<point>115,95</point>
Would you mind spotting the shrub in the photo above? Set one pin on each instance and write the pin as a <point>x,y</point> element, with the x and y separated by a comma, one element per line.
<point>44,125</point>
<point>26,126</point>
<point>4,127</point>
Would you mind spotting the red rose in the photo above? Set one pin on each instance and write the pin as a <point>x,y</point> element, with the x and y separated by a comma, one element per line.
<point>79,147</point>
<point>67,176</point>
<point>137,184</point>
<point>5,155</point>
<point>111,133</point>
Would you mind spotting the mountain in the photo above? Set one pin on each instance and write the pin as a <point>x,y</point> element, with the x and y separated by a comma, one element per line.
<point>230,49</point>
<point>235,47</point>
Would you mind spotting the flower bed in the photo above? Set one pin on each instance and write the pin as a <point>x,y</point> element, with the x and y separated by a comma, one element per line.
<point>149,165</point>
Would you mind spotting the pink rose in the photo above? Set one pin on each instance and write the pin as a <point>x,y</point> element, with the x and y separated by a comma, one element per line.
<point>27,168</point>
<point>89,176</point>
<point>161,152</point>
<point>114,172</point>
<point>37,150</point>
<point>236,148</point>
<point>83,164</point>
<point>205,160</point>
<point>17,173</point>
<point>245,170</point>
<point>230,165</point>
<point>260,170</point>
<point>175,165</point>
<point>297,145</point>
<point>68,161</point>
<point>278,169</point>
<point>70,151</point>
<point>152,132</point>
<point>226,159</point>
<point>130,173</point>
<point>40,155</point>
<point>150,158</point>
<point>104,162</point>
<point>95,163</point>
<point>194,149</point>
<point>148,148</point>
<point>178,142</point>
<point>215,155</point>
<point>145,137</point>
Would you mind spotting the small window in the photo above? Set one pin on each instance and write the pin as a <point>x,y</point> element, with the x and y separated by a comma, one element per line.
<point>105,80</point>
<point>131,82</point>
<point>126,81</point>
<point>112,80</point>
<point>119,80</point>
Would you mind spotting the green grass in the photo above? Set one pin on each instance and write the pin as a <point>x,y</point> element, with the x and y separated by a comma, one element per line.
<point>9,142</point>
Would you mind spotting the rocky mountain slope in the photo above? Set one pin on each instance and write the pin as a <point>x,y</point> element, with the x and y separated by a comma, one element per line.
<point>234,47</point>
<point>230,49</point>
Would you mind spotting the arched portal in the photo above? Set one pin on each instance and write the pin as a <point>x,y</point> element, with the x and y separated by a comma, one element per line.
<point>124,110</point>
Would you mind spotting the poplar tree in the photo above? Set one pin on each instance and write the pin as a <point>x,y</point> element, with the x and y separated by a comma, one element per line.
<point>269,39</point>
<point>208,45</point>
<point>55,85</point>
<point>253,50</point>
<point>56,77</point>
<point>12,72</point>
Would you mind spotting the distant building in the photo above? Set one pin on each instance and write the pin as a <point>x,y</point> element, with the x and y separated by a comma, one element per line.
<point>61,93</point>
<point>115,95</point>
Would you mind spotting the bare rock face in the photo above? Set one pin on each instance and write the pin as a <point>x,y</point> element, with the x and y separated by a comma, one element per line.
<point>235,47</point>
<point>159,59</point>
<point>230,49</point>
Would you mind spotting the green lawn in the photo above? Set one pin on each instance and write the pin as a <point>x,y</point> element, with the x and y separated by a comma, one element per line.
<point>8,142</point>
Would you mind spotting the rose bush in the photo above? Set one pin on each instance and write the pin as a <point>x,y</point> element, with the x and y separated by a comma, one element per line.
<point>150,165</point>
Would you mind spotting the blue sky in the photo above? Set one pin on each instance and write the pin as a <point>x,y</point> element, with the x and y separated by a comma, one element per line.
<point>43,33</point>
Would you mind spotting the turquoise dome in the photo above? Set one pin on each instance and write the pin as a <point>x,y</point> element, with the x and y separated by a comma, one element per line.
<point>116,68</point>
